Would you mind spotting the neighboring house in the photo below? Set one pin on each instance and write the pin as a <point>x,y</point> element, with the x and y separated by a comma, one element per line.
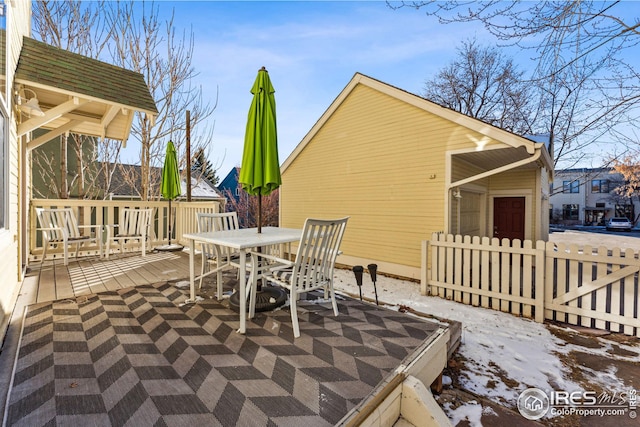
<point>46,169</point>
<point>403,168</point>
<point>229,185</point>
<point>247,206</point>
<point>587,196</point>
<point>126,179</point>
<point>72,93</point>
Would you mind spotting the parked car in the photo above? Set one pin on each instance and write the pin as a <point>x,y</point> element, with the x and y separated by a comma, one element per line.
<point>619,223</point>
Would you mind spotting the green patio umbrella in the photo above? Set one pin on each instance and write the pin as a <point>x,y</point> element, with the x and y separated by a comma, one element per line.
<point>170,187</point>
<point>260,169</point>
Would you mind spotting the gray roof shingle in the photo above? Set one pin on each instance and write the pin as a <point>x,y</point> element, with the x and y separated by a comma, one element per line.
<point>81,75</point>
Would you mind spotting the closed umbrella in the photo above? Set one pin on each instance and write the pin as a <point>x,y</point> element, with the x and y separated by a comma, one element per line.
<point>260,169</point>
<point>170,188</point>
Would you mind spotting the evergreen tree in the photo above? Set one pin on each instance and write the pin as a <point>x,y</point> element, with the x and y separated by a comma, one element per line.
<point>202,165</point>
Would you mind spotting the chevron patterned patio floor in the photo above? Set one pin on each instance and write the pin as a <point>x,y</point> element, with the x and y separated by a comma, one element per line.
<point>138,357</point>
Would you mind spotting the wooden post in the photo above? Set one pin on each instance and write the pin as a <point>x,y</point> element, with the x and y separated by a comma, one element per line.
<point>64,193</point>
<point>188,156</point>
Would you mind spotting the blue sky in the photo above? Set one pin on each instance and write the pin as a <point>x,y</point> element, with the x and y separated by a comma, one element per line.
<point>312,50</point>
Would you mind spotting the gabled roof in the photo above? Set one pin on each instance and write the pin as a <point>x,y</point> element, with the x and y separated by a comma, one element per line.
<point>508,138</point>
<point>79,94</point>
<point>78,75</point>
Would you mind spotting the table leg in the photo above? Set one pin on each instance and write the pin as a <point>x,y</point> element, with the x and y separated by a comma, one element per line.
<point>242,288</point>
<point>192,272</point>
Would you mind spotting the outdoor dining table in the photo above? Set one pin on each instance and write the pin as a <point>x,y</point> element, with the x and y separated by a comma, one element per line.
<point>242,240</point>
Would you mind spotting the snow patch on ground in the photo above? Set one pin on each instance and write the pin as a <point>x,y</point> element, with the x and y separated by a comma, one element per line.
<point>504,355</point>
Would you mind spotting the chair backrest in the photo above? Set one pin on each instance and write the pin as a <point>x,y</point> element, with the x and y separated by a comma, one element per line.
<point>217,221</point>
<point>135,222</point>
<point>61,222</point>
<point>317,252</point>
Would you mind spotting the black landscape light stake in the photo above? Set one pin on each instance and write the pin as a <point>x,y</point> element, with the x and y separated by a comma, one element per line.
<point>372,271</point>
<point>357,271</point>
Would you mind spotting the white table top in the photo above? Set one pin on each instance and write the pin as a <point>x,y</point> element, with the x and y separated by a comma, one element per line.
<point>246,238</point>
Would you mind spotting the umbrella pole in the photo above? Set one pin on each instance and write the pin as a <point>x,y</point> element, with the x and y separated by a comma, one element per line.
<point>169,224</point>
<point>170,247</point>
<point>259,213</point>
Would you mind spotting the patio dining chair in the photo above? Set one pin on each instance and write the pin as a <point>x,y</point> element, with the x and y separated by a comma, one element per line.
<point>60,227</point>
<point>219,258</point>
<point>134,226</point>
<point>312,268</point>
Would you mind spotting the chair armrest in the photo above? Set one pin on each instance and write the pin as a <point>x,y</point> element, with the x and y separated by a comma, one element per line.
<point>49,228</point>
<point>61,229</point>
<point>275,263</point>
<point>270,257</point>
<point>96,228</point>
<point>90,226</point>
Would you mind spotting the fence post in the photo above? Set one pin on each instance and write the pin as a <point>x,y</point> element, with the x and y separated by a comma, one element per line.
<point>424,279</point>
<point>540,292</point>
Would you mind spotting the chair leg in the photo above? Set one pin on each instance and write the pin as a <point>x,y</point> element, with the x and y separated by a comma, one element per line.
<point>44,250</point>
<point>65,250</point>
<point>143,243</point>
<point>204,261</point>
<point>219,283</point>
<point>333,299</point>
<point>294,314</point>
<point>252,294</point>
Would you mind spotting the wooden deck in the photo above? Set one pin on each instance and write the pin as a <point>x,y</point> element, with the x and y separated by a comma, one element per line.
<point>353,357</point>
<point>52,280</point>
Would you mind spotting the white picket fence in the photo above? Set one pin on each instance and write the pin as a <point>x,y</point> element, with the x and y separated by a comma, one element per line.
<point>592,287</point>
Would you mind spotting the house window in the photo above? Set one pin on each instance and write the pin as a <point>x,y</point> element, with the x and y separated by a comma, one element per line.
<point>570,212</point>
<point>600,186</point>
<point>626,211</point>
<point>570,186</point>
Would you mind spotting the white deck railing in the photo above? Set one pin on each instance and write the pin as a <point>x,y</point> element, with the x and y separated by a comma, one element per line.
<point>106,212</point>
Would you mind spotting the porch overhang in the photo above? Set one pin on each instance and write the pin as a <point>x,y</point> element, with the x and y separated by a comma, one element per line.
<point>501,158</point>
<point>78,94</point>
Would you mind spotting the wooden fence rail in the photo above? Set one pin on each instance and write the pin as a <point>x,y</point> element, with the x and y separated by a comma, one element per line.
<point>592,287</point>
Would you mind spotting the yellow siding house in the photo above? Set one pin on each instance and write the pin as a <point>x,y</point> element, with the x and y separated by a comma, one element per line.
<point>403,167</point>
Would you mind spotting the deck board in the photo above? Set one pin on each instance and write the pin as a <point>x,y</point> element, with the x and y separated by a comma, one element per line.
<point>47,276</point>
<point>90,275</point>
<point>63,288</point>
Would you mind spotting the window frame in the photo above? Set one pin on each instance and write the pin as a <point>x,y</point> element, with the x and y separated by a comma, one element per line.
<point>571,187</point>
<point>602,185</point>
<point>573,207</point>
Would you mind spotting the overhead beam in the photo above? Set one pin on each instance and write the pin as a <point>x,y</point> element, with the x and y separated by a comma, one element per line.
<point>50,115</point>
<point>496,171</point>
<point>108,118</point>
<point>35,143</point>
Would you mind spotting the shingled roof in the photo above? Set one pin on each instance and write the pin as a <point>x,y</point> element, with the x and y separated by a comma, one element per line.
<point>43,64</point>
<point>78,94</point>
